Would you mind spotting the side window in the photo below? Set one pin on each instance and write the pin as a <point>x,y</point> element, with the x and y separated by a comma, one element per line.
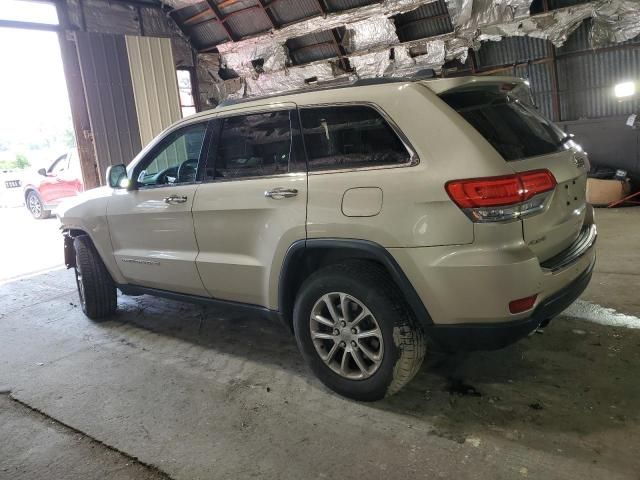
<point>349,137</point>
<point>254,145</point>
<point>175,159</point>
<point>60,165</point>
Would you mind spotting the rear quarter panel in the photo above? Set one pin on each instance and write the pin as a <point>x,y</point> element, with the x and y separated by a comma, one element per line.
<point>416,210</point>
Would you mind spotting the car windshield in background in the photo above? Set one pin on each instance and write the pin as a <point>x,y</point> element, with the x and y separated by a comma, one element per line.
<point>516,131</point>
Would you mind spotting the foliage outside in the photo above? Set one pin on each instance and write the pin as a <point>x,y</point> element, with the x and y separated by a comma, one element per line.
<point>21,162</point>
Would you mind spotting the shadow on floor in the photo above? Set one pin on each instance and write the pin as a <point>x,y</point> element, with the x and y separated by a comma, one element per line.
<point>576,378</point>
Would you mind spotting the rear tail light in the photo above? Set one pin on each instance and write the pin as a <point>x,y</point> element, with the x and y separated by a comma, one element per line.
<point>495,199</point>
<point>522,304</point>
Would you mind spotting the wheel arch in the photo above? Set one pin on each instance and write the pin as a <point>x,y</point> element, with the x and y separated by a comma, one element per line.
<point>306,256</point>
<point>27,190</point>
<point>69,235</point>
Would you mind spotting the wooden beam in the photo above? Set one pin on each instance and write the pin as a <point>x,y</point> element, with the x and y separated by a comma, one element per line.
<point>341,51</point>
<point>198,17</point>
<point>79,110</point>
<point>216,11</point>
<point>474,60</point>
<point>322,7</point>
<point>268,13</point>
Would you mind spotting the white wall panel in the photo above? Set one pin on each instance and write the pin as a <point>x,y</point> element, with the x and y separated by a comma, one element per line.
<point>155,86</point>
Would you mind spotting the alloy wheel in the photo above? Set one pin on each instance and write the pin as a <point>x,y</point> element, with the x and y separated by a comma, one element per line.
<point>346,336</point>
<point>34,205</point>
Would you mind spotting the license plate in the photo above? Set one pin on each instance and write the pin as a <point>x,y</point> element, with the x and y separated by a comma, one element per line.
<point>12,184</point>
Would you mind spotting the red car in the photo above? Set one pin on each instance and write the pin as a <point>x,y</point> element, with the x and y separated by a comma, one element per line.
<point>61,180</point>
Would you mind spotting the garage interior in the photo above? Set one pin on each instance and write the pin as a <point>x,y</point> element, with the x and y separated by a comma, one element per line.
<point>171,390</point>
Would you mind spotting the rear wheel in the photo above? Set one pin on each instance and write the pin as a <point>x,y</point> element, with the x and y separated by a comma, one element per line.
<point>96,289</point>
<point>356,332</point>
<point>36,207</point>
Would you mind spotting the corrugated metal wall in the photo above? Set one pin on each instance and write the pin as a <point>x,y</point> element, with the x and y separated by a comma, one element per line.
<point>155,86</point>
<point>586,77</point>
<point>109,94</point>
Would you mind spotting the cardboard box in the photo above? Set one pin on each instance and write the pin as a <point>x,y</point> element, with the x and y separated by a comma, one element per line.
<point>603,192</point>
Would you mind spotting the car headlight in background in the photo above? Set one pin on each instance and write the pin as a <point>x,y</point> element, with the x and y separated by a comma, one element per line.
<point>624,89</point>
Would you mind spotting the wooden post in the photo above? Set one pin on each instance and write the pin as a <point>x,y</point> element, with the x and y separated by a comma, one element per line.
<point>78,102</point>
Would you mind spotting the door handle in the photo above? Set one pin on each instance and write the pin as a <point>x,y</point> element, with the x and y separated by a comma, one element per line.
<point>175,199</point>
<point>280,192</point>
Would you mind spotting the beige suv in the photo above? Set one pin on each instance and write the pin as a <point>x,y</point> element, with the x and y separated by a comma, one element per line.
<point>373,219</point>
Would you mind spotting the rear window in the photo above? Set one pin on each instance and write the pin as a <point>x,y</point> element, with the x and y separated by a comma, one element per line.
<point>514,129</point>
<point>349,137</point>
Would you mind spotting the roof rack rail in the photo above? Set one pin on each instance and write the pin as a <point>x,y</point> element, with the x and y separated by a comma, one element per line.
<point>355,82</point>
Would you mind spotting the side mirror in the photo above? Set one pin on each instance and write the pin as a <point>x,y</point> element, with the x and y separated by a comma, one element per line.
<point>42,172</point>
<point>117,176</point>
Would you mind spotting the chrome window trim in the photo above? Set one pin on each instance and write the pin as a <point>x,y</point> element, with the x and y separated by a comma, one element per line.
<point>242,179</point>
<point>414,159</point>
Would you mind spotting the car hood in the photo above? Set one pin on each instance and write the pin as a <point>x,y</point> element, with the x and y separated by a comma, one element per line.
<point>73,206</point>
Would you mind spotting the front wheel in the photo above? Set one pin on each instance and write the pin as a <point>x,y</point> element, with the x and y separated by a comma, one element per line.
<point>96,289</point>
<point>36,207</point>
<point>356,332</point>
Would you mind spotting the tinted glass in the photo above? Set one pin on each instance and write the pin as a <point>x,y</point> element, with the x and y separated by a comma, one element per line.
<point>348,137</point>
<point>515,130</point>
<point>254,145</point>
<point>175,160</point>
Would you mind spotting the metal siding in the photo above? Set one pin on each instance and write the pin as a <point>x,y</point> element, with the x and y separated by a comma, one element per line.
<point>578,40</point>
<point>156,23</point>
<point>155,86</point>
<point>321,46</point>
<point>554,4</point>
<point>539,76</point>
<point>586,82</point>
<point>110,100</point>
<point>181,14</point>
<point>511,50</point>
<point>249,23</point>
<point>419,23</point>
<point>109,17</point>
<point>207,34</point>
<point>289,11</point>
<point>226,7</point>
<point>340,5</point>
<point>425,28</point>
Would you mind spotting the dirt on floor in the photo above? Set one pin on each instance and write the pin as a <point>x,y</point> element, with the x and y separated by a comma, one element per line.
<point>35,446</point>
<point>571,390</point>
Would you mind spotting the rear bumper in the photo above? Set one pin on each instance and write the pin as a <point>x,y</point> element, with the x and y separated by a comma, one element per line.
<point>493,336</point>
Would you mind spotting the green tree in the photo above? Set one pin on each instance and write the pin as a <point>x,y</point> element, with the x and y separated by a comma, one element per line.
<point>21,161</point>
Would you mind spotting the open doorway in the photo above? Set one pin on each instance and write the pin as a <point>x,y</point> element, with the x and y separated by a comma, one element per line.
<point>38,161</point>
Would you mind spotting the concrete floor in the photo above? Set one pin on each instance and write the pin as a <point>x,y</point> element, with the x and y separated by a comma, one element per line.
<point>28,245</point>
<point>192,394</point>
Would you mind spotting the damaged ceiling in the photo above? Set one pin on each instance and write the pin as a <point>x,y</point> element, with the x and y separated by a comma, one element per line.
<point>276,45</point>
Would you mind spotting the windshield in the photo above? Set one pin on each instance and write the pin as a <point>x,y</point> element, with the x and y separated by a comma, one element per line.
<point>514,129</point>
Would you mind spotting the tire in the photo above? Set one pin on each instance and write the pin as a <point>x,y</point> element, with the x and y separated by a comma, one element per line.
<point>361,285</point>
<point>36,207</point>
<point>96,289</point>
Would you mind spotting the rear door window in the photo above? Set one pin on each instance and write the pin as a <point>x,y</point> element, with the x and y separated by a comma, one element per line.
<point>255,145</point>
<point>349,137</point>
<point>515,130</point>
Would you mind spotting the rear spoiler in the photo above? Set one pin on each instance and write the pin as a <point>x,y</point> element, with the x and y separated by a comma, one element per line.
<point>442,85</point>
